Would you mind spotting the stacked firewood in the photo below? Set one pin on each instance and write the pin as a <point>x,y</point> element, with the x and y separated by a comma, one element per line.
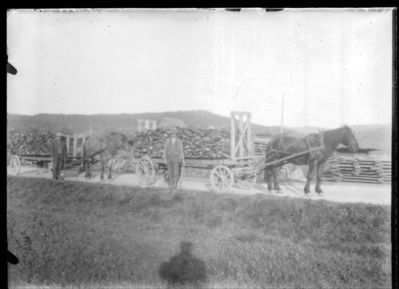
<point>197,143</point>
<point>29,144</point>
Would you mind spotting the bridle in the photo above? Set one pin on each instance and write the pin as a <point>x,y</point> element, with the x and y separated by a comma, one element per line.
<point>348,141</point>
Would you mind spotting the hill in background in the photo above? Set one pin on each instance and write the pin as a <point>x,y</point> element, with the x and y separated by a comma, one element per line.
<point>79,123</point>
<point>369,136</point>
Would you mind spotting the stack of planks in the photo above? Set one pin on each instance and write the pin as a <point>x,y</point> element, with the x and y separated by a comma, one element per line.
<point>259,145</point>
<point>259,149</point>
<point>387,171</point>
<point>357,170</point>
<point>332,172</point>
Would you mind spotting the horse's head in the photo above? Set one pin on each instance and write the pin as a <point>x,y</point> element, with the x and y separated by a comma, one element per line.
<point>131,142</point>
<point>349,139</point>
<point>128,145</point>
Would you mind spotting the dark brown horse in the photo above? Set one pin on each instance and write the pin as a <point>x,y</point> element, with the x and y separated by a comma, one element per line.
<point>103,148</point>
<point>319,148</point>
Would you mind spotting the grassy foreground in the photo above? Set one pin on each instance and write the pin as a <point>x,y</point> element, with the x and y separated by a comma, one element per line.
<point>104,236</point>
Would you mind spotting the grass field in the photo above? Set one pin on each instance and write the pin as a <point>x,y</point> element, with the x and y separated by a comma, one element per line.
<point>97,235</point>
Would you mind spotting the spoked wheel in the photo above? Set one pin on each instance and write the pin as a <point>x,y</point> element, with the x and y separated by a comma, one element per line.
<point>145,171</point>
<point>247,179</point>
<point>222,178</point>
<point>14,166</point>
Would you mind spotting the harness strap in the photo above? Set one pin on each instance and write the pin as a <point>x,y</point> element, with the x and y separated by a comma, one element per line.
<point>306,139</point>
<point>322,144</point>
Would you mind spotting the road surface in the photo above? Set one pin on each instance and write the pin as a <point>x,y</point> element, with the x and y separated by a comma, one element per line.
<point>336,192</point>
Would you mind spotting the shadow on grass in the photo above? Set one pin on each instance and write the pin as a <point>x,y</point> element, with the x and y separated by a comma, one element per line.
<point>78,233</point>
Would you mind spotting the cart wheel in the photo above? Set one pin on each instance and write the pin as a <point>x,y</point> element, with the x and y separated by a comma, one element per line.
<point>222,178</point>
<point>248,180</point>
<point>145,171</point>
<point>14,167</point>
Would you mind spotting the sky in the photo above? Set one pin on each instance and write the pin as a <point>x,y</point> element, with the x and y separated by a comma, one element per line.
<point>320,67</point>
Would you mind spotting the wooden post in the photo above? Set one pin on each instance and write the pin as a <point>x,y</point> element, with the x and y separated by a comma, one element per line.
<point>75,143</point>
<point>249,135</point>
<point>241,143</point>
<point>240,133</point>
<point>68,138</point>
<point>233,136</point>
<point>83,143</point>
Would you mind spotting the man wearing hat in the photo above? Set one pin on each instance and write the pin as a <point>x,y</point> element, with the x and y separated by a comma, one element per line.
<point>174,157</point>
<point>58,153</point>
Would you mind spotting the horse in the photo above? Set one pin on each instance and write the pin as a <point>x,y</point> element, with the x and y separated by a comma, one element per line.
<point>103,148</point>
<point>319,148</point>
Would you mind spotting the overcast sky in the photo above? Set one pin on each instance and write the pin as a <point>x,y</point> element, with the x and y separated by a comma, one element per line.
<point>333,67</point>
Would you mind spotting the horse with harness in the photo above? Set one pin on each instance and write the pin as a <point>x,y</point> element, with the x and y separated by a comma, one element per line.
<point>312,150</point>
<point>103,148</point>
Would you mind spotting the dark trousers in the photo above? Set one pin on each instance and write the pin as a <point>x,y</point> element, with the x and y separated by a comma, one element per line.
<point>58,164</point>
<point>174,171</point>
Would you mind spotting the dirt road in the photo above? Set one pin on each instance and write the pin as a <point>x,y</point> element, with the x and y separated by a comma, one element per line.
<point>336,192</point>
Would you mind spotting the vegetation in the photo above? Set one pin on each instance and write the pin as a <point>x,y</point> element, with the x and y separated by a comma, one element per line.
<point>97,235</point>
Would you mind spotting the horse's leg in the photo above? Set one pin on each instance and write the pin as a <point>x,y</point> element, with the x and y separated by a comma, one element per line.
<point>89,168</point>
<point>110,163</point>
<point>275,179</point>
<point>320,168</point>
<point>85,168</point>
<point>310,175</point>
<point>102,166</point>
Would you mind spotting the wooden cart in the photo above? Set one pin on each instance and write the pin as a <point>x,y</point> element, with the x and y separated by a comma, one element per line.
<point>240,170</point>
<point>43,163</point>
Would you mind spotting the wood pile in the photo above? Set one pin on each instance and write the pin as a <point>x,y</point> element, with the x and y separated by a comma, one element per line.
<point>29,144</point>
<point>259,149</point>
<point>347,169</point>
<point>197,143</point>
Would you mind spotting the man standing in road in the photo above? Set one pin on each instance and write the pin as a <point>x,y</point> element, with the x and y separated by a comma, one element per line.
<point>174,157</point>
<point>58,153</point>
